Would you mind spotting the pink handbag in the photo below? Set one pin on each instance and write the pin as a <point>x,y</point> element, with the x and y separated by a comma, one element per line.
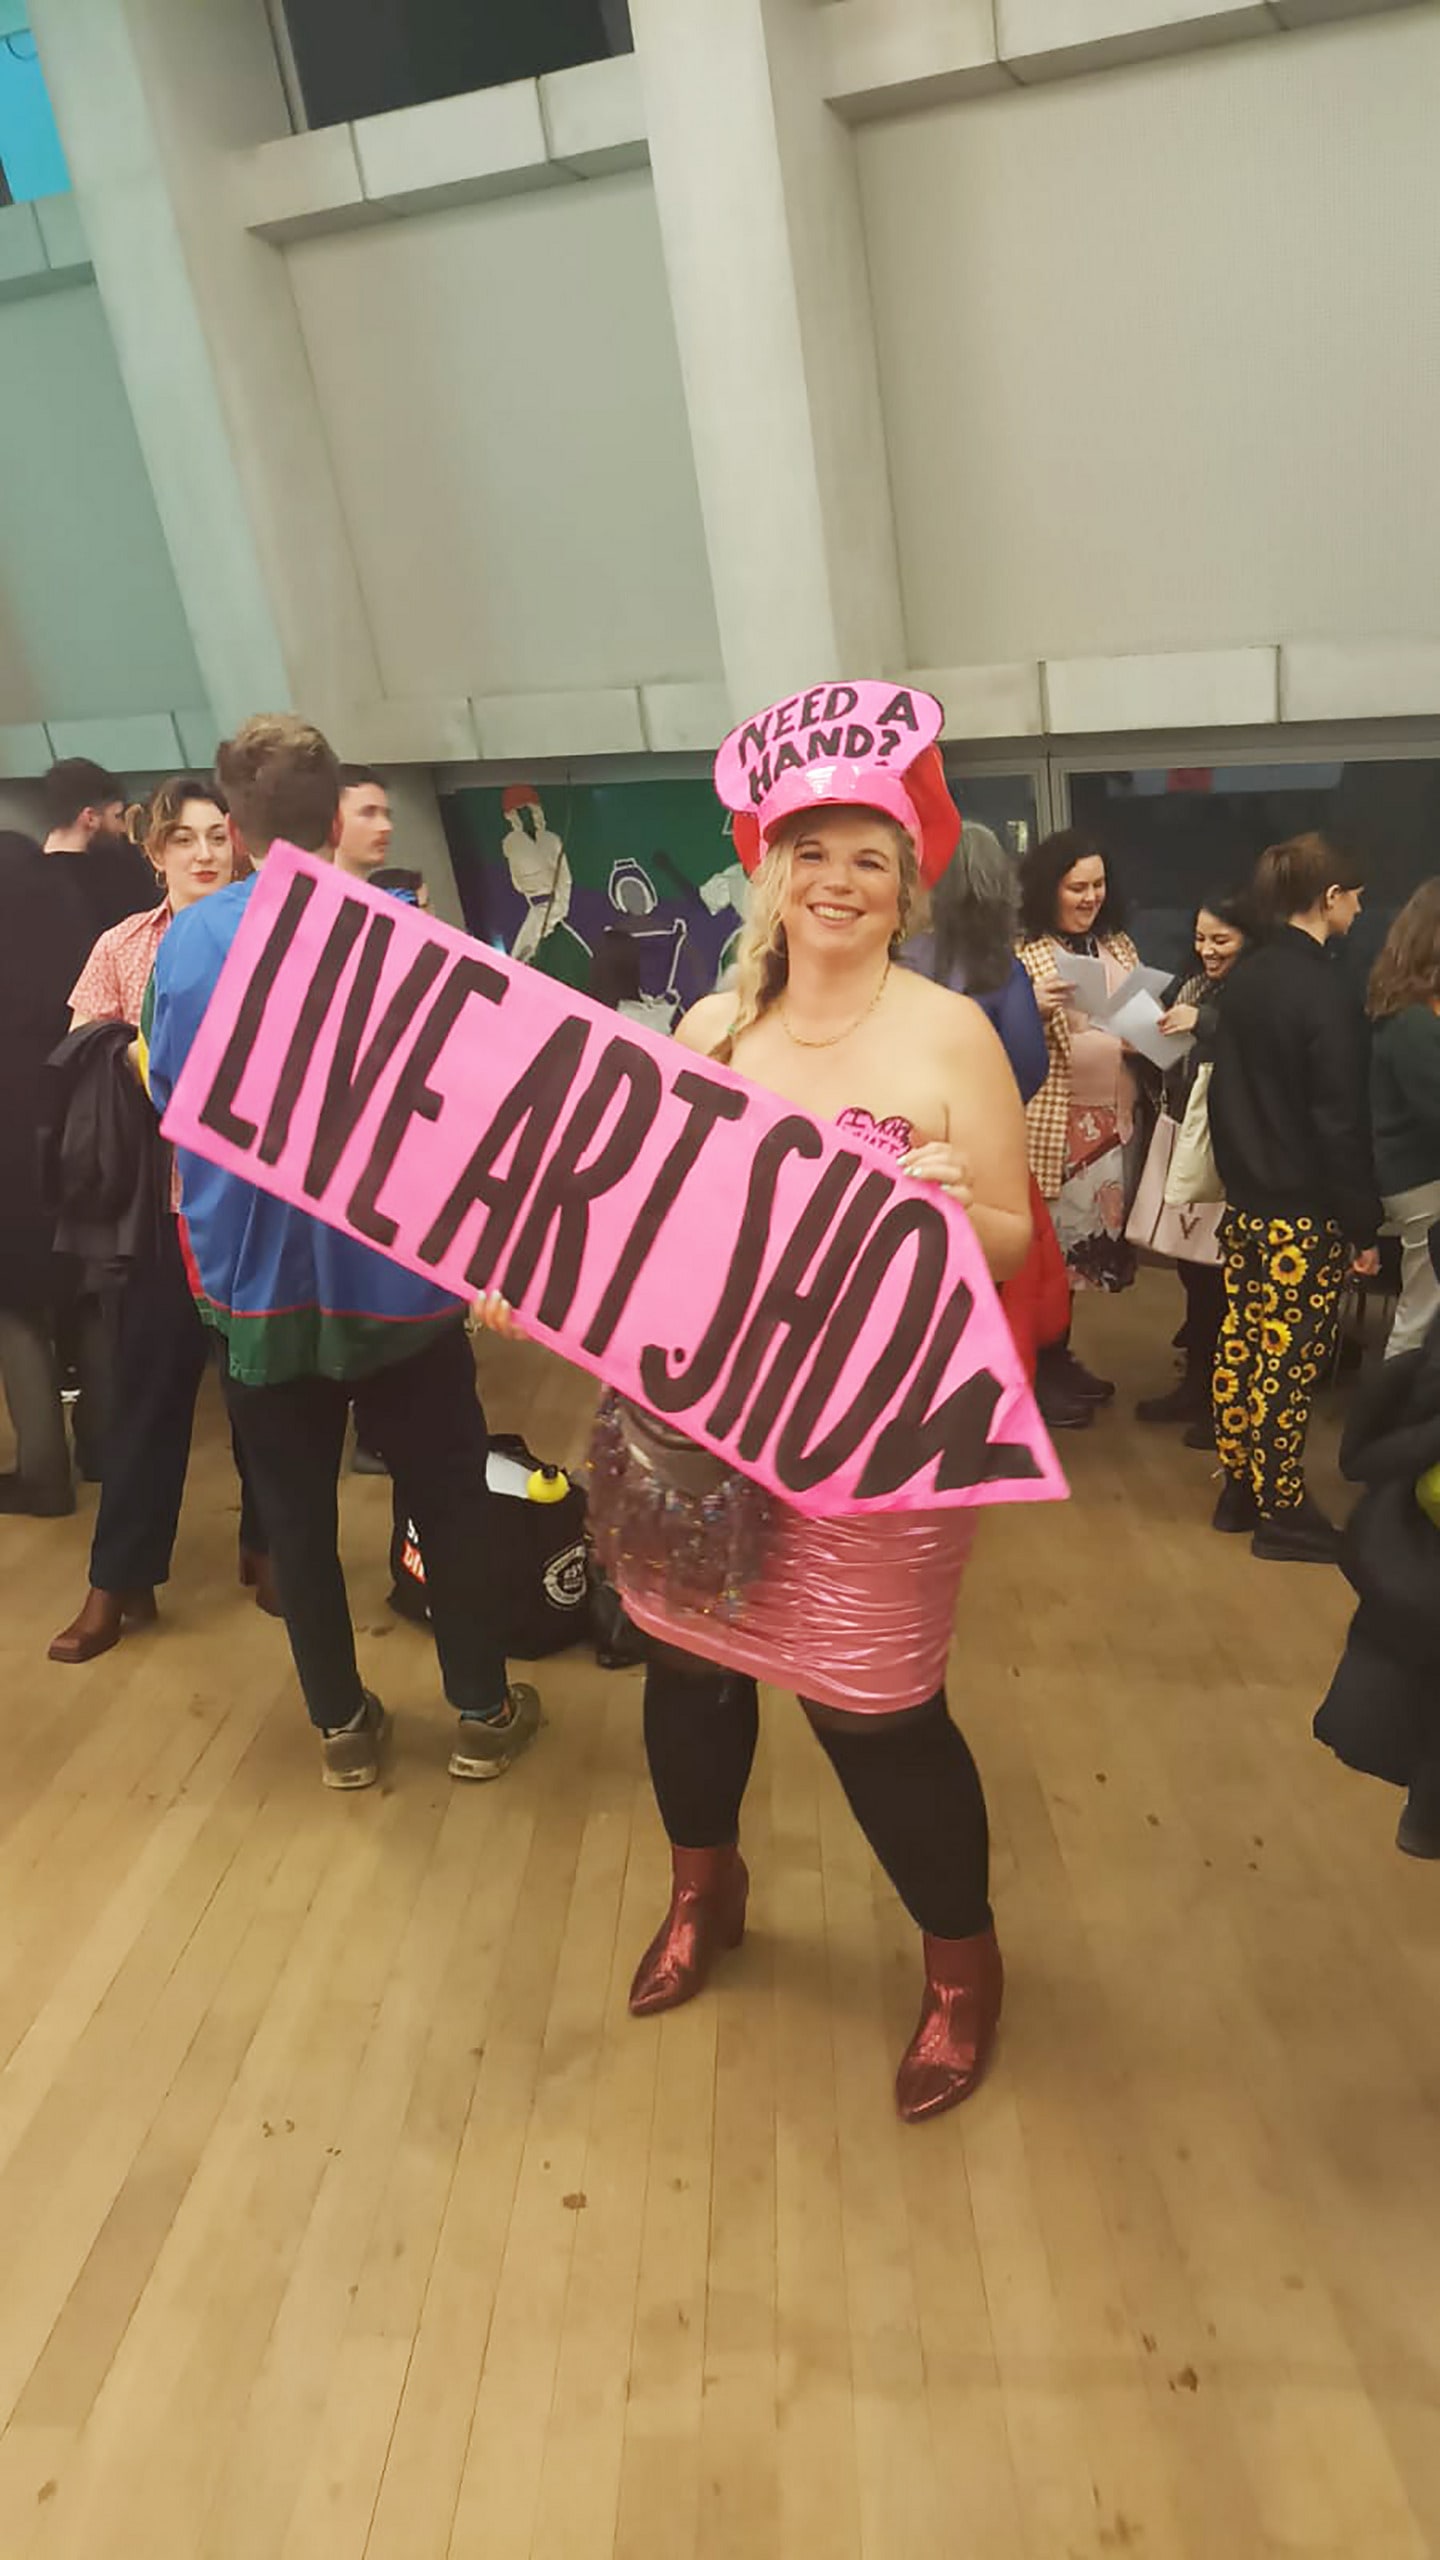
<point>1182,1232</point>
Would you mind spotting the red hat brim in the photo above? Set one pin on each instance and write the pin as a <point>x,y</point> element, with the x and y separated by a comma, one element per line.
<point>929,792</point>
<point>939,818</point>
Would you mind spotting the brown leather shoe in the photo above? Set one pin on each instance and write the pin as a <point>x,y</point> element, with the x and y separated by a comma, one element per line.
<point>706,1917</point>
<point>946,2057</point>
<point>257,1575</point>
<point>105,1618</point>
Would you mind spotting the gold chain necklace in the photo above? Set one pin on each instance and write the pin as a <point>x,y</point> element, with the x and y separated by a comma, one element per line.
<point>834,1038</point>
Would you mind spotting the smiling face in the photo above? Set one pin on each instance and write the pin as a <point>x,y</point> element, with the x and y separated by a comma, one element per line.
<point>1217,945</point>
<point>843,895</point>
<point>195,855</point>
<point>1080,896</point>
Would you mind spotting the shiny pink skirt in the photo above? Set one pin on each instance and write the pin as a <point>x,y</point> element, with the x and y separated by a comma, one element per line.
<point>853,1613</point>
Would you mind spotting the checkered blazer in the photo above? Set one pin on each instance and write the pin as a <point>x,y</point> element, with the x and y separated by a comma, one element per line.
<point>1047,1118</point>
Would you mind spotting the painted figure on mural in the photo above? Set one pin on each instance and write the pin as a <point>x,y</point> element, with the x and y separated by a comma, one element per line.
<point>659,943</point>
<point>559,881</point>
<point>539,873</point>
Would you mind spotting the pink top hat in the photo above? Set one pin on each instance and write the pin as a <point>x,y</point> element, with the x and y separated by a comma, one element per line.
<point>867,745</point>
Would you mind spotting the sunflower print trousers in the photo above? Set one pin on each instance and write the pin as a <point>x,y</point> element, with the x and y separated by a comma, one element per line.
<point>1283,1283</point>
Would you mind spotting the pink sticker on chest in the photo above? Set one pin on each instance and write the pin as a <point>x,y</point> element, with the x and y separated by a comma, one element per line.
<point>893,1136</point>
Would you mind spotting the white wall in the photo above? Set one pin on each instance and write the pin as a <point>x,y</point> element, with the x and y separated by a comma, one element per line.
<point>1161,351</point>
<point>501,391</point>
<point>90,615</point>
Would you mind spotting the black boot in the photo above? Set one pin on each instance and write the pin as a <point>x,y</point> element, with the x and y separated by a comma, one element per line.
<point>1061,1409</point>
<point>1237,1513</point>
<point>1301,1536</point>
<point>1084,1381</point>
<point>1059,1373</point>
<point>1419,1832</point>
<point>41,1502</point>
<point>1188,1401</point>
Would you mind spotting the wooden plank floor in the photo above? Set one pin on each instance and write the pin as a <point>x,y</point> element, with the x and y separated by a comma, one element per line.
<point>345,2212</point>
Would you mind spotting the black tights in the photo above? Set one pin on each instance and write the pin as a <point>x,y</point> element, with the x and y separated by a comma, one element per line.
<point>911,1783</point>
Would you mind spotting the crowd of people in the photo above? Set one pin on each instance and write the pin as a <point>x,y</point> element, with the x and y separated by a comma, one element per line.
<point>1323,1131</point>
<point>898,975</point>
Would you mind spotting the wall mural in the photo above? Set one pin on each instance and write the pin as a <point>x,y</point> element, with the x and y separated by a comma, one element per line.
<point>628,891</point>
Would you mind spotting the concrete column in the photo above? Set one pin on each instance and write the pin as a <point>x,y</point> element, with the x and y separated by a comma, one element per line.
<point>420,843</point>
<point>152,98</point>
<point>758,198</point>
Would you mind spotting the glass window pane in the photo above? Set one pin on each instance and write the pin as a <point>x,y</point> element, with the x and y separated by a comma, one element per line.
<point>32,162</point>
<point>1007,803</point>
<point>1181,834</point>
<point>361,61</point>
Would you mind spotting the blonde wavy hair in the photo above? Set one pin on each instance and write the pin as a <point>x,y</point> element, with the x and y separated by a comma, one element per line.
<point>762,962</point>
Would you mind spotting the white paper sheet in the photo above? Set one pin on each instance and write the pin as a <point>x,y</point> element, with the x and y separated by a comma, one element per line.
<point>1156,982</point>
<point>1135,1018</point>
<point>1130,1011</point>
<point>1087,977</point>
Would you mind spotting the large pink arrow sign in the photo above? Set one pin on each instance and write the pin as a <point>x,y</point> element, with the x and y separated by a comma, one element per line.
<point>767,1284</point>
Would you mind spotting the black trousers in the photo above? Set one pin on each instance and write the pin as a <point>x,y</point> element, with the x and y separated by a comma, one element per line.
<point>423,1416</point>
<point>161,1353</point>
<point>1204,1287</point>
<point>85,1360</point>
<point>911,1783</point>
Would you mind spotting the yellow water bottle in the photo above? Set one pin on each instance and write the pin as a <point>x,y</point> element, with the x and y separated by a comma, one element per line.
<point>547,1484</point>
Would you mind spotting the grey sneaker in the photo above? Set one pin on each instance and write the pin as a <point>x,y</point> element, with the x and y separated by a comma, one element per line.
<point>484,1748</point>
<point>352,1756</point>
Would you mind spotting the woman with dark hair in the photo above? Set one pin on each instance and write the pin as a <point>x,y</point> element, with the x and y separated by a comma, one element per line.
<point>1224,924</point>
<point>1290,1128</point>
<point>1085,1126</point>
<point>1405,1104</point>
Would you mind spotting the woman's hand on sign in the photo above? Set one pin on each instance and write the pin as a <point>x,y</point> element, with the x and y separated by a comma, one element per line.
<point>942,1165</point>
<point>1052,995</point>
<point>494,1314</point>
<point>1179,1019</point>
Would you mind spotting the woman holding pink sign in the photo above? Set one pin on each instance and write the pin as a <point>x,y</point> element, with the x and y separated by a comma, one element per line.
<point>842,818</point>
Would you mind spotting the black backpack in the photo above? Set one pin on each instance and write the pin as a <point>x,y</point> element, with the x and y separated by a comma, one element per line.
<point>535,1560</point>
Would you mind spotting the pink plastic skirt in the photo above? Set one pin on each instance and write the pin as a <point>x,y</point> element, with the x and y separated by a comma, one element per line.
<point>853,1613</point>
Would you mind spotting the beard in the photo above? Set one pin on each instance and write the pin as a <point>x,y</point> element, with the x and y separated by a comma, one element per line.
<point>110,840</point>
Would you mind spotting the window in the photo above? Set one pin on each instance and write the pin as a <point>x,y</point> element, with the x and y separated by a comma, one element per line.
<point>355,61</point>
<point>31,160</point>
<point>1179,832</point>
